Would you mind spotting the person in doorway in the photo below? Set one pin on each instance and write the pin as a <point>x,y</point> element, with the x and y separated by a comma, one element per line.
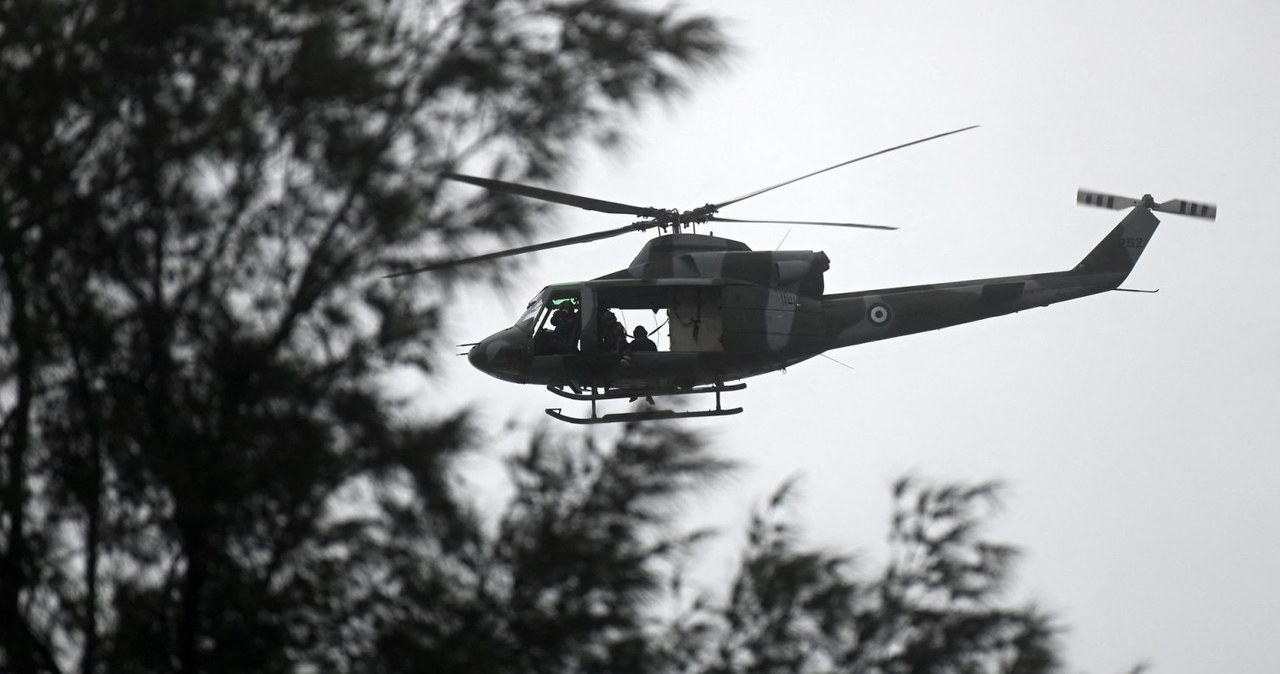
<point>640,340</point>
<point>613,337</point>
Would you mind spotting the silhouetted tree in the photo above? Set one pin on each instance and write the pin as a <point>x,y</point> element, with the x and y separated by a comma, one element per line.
<point>200,467</point>
<point>565,581</point>
<point>197,201</point>
<point>586,571</point>
<point>936,607</point>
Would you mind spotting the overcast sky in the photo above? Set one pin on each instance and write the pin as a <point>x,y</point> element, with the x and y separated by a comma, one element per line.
<point>1136,433</point>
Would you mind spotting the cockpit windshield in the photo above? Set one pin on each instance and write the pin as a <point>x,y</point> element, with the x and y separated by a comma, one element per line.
<point>553,319</point>
<point>549,300</point>
<point>526,319</point>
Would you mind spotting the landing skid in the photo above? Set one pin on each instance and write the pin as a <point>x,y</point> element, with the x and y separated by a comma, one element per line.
<point>646,415</point>
<point>654,415</point>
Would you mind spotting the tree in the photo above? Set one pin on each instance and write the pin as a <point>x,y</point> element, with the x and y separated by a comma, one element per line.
<point>200,467</point>
<point>197,202</point>
<point>936,607</point>
<point>586,571</point>
<point>566,581</point>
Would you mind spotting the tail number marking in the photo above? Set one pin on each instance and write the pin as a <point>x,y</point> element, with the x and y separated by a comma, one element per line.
<point>1133,242</point>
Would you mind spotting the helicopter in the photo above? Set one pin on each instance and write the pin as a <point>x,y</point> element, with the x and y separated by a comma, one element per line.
<point>732,313</point>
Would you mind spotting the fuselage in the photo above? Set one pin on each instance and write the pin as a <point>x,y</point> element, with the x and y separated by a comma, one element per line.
<point>712,333</point>
<point>732,313</point>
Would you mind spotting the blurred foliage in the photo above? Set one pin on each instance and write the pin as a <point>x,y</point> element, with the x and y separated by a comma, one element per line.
<point>200,467</point>
<point>587,569</point>
<point>937,605</point>
<point>198,201</point>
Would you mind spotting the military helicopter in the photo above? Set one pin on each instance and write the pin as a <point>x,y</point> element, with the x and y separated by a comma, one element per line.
<point>733,313</point>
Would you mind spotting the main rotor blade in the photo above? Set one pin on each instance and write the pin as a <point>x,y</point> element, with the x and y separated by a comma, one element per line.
<point>843,163</point>
<point>557,243</point>
<point>558,197</point>
<point>716,218</point>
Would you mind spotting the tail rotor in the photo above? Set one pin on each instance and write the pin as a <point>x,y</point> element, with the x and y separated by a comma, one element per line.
<point>1195,209</point>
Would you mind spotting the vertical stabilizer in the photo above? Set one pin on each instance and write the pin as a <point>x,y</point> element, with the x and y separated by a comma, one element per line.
<point>1119,251</point>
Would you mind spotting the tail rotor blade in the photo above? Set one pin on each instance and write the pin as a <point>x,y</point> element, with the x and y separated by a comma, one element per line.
<point>1193,208</point>
<point>1101,200</point>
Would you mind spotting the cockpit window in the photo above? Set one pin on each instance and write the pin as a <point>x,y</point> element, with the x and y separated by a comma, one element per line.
<point>552,319</point>
<point>549,298</point>
<point>531,311</point>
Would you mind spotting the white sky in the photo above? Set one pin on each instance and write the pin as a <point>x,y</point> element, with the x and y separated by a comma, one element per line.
<point>1137,433</point>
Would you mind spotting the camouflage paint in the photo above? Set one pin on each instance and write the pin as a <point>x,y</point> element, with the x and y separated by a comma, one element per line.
<point>930,307</point>
<point>763,311</point>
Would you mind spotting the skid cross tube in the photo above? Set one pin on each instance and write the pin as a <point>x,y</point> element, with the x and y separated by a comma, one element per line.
<point>619,393</point>
<point>645,415</point>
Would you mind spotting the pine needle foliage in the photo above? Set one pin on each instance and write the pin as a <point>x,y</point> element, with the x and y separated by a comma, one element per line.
<point>198,202</point>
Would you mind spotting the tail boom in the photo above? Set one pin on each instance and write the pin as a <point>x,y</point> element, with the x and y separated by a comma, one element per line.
<point>854,318</point>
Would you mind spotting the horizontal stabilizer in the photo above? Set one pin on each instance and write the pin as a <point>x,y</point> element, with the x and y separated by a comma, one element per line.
<point>1180,206</point>
<point>1104,200</point>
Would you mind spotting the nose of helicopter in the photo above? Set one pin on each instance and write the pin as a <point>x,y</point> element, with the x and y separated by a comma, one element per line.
<point>503,355</point>
<point>476,357</point>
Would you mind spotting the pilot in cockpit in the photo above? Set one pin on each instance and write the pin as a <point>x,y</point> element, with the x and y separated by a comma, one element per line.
<point>564,328</point>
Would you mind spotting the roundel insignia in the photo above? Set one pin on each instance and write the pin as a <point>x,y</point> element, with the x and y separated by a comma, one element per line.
<point>879,313</point>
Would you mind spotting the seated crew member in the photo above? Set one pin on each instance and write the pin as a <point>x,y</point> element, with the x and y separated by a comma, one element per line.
<point>613,337</point>
<point>640,340</point>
